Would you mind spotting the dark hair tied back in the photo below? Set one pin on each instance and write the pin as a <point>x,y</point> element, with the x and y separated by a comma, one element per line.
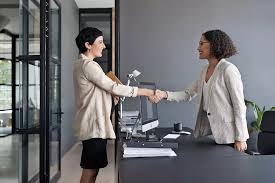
<point>88,34</point>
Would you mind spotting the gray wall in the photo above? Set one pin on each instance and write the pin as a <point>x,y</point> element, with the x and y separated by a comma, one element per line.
<point>69,53</point>
<point>160,38</point>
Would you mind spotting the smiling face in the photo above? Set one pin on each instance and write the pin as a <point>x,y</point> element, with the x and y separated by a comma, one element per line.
<point>95,50</point>
<point>204,48</point>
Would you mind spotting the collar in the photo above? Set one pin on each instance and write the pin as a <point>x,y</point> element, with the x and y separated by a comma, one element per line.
<point>84,57</point>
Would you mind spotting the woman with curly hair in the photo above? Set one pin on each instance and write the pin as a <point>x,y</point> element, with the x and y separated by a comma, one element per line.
<point>219,89</point>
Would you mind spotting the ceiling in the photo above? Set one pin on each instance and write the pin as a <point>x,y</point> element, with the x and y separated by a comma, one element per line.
<point>95,3</point>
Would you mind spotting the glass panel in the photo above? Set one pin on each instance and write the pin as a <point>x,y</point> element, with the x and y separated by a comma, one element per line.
<point>55,108</point>
<point>5,46</point>
<point>5,97</point>
<point>9,159</point>
<point>55,31</point>
<point>54,152</point>
<point>5,123</point>
<point>5,86</point>
<point>34,94</point>
<point>18,95</point>
<point>54,94</point>
<point>28,85</point>
<point>34,28</point>
<point>33,156</point>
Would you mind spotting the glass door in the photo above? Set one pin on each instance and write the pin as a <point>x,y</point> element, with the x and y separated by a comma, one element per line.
<point>28,87</point>
<point>30,75</point>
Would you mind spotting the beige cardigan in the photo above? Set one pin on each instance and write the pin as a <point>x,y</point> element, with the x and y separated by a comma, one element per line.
<point>225,117</point>
<point>93,99</point>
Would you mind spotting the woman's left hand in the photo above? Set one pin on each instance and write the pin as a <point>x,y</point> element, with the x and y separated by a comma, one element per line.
<point>240,146</point>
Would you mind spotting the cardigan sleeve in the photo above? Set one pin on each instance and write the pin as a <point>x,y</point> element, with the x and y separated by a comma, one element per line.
<point>95,74</point>
<point>185,95</point>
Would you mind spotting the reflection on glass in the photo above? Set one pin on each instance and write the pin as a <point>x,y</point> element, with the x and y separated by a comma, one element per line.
<point>5,86</point>
<point>54,30</point>
<point>34,28</point>
<point>5,46</point>
<point>54,154</point>
<point>54,94</point>
<point>34,94</point>
<point>55,108</point>
<point>34,154</point>
<point>33,11</point>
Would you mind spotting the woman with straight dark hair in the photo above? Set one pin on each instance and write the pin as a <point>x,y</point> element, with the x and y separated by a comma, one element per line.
<point>93,100</point>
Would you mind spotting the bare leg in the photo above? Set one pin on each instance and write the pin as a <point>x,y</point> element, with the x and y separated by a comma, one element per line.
<point>88,175</point>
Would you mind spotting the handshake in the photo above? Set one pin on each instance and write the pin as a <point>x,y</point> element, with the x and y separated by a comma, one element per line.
<point>153,96</point>
<point>158,96</point>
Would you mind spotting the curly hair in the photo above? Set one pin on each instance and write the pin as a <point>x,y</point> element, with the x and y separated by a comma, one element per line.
<point>221,45</point>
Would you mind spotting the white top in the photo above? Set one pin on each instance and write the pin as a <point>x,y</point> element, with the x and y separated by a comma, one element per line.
<point>205,94</point>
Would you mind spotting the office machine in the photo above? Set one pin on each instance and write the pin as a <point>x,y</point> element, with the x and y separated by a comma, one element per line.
<point>148,118</point>
<point>149,112</point>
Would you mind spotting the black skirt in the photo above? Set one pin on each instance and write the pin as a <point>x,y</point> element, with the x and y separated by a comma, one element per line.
<point>94,154</point>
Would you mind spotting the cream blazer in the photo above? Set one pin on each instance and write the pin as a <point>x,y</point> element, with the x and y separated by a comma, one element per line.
<point>93,99</point>
<point>225,117</point>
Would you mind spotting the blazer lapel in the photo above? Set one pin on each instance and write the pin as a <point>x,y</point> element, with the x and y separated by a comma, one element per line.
<point>199,99</point>
<point>214,78</point>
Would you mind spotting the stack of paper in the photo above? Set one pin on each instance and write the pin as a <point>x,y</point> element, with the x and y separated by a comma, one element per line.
<point>171,136</point>
<point>131,152</point>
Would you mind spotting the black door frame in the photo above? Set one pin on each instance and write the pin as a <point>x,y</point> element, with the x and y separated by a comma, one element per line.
<point>45,20</point>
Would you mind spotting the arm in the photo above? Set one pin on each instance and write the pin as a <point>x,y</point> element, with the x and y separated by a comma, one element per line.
<point>95,74</point>
<point>178,96</point>
<point>235,88</point>
<point>185,95</point>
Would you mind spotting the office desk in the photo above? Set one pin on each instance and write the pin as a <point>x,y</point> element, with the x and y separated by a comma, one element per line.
<point>198,161</point>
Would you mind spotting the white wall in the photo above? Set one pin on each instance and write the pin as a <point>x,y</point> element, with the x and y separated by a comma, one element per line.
<point>69,53</point>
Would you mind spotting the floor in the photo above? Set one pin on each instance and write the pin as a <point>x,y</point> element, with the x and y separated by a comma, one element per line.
<point>11,156</point>
<point>71,171</point>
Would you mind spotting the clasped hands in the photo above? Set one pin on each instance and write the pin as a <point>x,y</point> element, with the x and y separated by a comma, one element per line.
<point>158,96</point>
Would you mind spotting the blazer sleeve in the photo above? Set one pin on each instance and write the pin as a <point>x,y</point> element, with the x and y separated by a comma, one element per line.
<point>185,95</point>
<point>95,74</point>
<point>234,86</point>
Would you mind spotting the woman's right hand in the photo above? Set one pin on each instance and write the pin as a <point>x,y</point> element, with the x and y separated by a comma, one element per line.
<point>159,95</point>
<point>240,146</point>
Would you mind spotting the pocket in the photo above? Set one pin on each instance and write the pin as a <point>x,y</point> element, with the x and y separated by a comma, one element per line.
<point>228,116</point>
<point>101,123</point>
<point>228,119</point>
